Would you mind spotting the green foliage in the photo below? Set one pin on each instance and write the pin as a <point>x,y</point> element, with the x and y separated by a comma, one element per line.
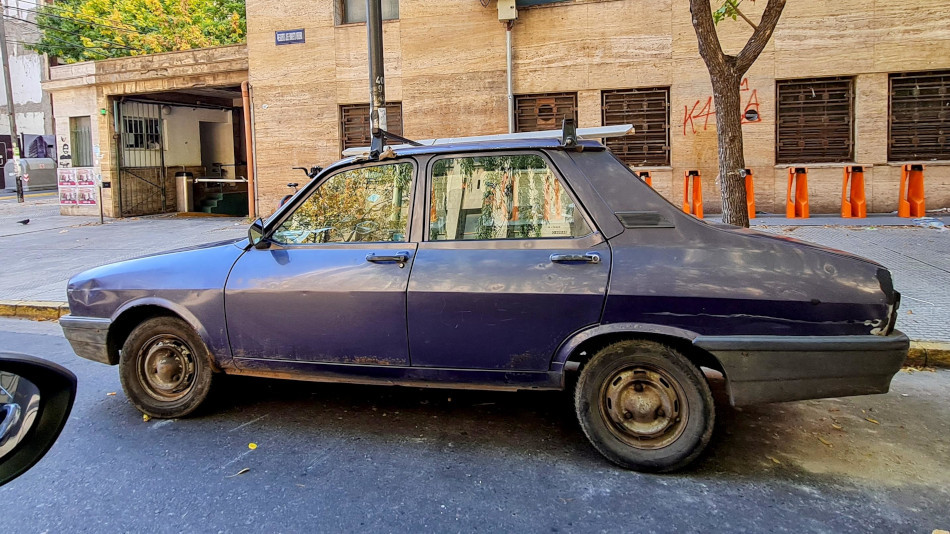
<point>81,30</point>
<point>728,10</point>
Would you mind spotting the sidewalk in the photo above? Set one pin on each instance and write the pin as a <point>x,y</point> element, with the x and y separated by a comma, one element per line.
<point>38,258</point>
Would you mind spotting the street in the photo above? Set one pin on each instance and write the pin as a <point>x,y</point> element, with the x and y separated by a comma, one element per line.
<point>359,458</point>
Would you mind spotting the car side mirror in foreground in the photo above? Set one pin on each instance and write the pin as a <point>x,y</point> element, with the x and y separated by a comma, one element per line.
<point>255,234</point>
<point>36,397</point>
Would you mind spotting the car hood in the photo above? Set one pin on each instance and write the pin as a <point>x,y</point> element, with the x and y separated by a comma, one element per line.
<point>172,276</point>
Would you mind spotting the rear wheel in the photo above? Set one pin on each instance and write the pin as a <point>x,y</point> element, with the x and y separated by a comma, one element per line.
<point>644,406</point>
<point>165,368</point>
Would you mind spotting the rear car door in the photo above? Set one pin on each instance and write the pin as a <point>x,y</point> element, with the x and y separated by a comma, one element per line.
<point>509,267</point>
<point>331,287</point>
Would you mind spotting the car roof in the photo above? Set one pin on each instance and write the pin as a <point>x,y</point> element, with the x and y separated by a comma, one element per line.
<point>546,143</point>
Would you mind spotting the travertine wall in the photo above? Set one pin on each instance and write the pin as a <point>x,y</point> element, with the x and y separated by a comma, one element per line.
<point>445,61</point>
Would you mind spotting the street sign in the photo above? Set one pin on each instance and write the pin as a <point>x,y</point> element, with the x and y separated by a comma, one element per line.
<point>285,37</point>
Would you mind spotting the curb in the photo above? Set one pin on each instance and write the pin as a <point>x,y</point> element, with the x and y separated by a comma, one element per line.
<point>929,354</point>
<point>921,354</point>
<point>37,310</point>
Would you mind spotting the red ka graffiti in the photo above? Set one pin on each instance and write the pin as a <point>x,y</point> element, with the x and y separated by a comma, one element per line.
<point>692,116</point>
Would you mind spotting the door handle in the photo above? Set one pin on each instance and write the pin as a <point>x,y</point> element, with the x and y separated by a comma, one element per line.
<point>400,257</point>
<point>590,257</point>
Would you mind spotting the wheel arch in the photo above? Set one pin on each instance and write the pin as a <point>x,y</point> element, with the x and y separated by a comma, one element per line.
<point>132,314</point>
<point>575,352</point>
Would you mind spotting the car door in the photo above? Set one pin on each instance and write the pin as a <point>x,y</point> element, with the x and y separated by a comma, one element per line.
<point>331,285</point>
<point>509,267</point>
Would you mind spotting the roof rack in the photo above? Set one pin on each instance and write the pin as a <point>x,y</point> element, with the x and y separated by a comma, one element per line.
<point>599,132</point>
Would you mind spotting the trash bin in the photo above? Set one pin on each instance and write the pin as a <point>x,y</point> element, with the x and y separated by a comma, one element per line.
<point>183,186</point>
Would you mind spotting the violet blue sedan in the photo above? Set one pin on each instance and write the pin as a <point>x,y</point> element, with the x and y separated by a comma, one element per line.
<point>512,264</point>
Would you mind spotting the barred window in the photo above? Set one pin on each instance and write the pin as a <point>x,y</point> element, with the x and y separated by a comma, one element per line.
<point>649,112</point>
<point>355,10</point>
<point>354,123</point>
<point>919,122</point>
<point>815,119</point>
<point>539,112</point>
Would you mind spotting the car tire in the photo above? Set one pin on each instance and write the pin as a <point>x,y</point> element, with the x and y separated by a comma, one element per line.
<point>644,406</point>
<point>165,368</point>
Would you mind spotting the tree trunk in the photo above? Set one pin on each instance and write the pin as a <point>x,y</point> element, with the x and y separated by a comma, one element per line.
<point>731,158</point>
<point>725,73</point>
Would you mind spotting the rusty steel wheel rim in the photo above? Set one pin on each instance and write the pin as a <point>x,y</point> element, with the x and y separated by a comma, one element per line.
<point>644,407</point>
<point>166,367</point>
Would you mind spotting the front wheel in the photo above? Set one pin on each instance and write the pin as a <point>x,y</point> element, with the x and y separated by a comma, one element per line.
<point>644,406</point>
<point>165,368</point>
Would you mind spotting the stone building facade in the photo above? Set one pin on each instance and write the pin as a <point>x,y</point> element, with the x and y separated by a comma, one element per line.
<point>834,64</point>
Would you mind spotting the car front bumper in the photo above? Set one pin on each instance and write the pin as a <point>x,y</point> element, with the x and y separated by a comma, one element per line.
<point>89,337</point>
<point>762,369</point>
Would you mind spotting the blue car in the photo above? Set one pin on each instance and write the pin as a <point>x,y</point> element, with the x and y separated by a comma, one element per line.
<point>509,264</point>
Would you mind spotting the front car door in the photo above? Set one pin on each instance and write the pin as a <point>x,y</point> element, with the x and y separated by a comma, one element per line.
<point>510,266</point>
<point>331,287</point>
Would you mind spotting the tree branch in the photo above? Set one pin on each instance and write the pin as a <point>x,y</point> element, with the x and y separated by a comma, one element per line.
<point>709,47</point>
<point>735,7</point>
<point>760,37</point>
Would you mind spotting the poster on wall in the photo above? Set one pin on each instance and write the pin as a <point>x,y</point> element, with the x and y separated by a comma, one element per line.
<point>77,186</point>
<point>87,195</point>
<point>85,176</point>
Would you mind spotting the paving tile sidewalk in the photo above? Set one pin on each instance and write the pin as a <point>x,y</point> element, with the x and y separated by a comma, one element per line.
<point>38,258</point>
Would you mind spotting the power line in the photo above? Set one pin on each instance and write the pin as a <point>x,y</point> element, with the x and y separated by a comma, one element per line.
<point>74,45</point>
<point>60,30</point>
<point>81,21</point>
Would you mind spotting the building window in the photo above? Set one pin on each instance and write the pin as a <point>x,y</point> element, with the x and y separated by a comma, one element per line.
<point>815,120</point>
<point>354,123</point>
<point>142,133</point>
<point>355,10</point>
<point>648,110</point>
<point>80,139</point>
<point>535,113</point>
<point>919,122</point>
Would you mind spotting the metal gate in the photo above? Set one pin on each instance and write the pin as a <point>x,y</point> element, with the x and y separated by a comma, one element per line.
<point>143,187</point>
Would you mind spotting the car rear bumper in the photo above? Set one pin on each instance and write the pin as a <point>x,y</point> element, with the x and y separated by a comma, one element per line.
<point>786,368</point>
<point>88,337</point>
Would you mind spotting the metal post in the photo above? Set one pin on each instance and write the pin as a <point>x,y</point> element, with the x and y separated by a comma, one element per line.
<point>511,96</point>
<point>377,80</point>
<point>18,146</point>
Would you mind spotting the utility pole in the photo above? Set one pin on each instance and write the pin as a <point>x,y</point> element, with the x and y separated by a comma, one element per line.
<point>17,148</point>
<point>377,80</point>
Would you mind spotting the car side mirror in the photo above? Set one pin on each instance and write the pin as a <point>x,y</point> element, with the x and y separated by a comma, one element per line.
<point>255,234</point>
<point>36,397</point>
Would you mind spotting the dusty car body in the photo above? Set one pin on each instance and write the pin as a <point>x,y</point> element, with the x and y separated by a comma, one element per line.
<point>489,297</point>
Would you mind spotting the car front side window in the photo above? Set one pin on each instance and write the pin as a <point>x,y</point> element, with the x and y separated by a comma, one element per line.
<point>500,197</point>
<point>368,205</point>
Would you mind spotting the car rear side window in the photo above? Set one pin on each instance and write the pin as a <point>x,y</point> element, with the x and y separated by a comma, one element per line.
<point>369,204</point>
<point>500,197</point>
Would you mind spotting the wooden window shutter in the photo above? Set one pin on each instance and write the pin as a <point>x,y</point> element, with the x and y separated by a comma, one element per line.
<point>540,112</point>
<point>919,120</point>
<point>815,120</point>
<point>354,123</point>
<point>649,112</point>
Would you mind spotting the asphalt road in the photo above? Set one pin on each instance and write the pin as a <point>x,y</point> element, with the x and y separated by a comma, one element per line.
<point>351,458</point>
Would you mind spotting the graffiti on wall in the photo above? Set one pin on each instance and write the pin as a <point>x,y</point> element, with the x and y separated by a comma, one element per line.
<point>697,116</point>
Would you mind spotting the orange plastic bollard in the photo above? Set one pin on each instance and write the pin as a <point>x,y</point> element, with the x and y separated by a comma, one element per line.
<point>911,202</point>
<point>797,207</point>
<point>854,205</point>
<point>749,193</point>
<point>694,206</point>
<point>646,177</point>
